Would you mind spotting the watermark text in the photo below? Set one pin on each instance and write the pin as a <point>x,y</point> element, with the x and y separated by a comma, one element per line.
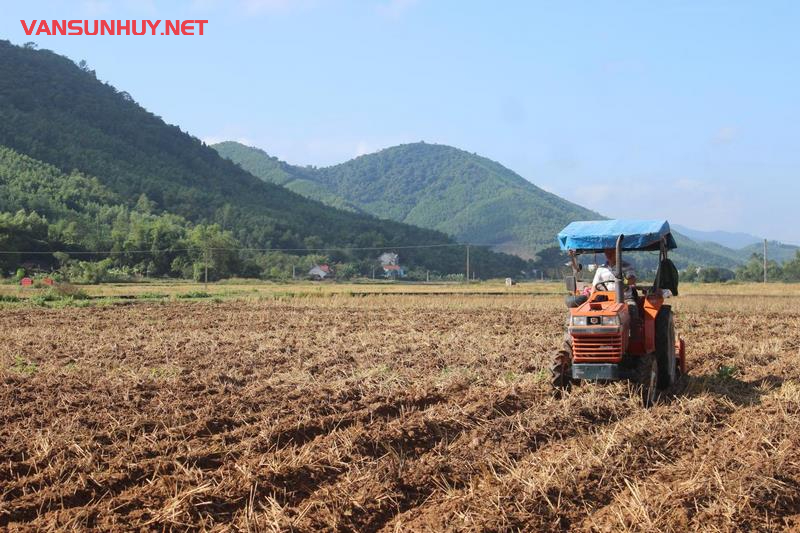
<point>113,27</point>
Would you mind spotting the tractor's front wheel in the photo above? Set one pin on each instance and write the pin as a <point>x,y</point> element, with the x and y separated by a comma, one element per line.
<point>647,379</point>
<point>561,369</point>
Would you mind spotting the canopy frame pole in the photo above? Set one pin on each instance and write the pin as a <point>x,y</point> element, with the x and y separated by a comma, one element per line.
<point>618,286</point>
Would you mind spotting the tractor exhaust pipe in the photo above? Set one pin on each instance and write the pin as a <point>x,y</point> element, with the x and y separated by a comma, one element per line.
<point>620,289</point>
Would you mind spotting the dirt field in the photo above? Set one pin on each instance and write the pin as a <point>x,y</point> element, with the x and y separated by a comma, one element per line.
<point>390,413</point>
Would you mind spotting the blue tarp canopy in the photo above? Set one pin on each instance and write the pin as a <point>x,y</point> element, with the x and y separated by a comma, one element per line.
<point>598,235</point>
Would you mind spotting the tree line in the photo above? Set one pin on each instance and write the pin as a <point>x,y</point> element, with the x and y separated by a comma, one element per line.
<point>52,221</point>
<point>753,270</point>
<point>118,178</point>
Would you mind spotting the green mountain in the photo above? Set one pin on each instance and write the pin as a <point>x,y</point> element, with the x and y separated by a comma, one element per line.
<point>434,186</point>
<point>301,180</point>
<point>776,251</point>
<point>462,194</point>
<point>59,114</point>
<point>690,252</point>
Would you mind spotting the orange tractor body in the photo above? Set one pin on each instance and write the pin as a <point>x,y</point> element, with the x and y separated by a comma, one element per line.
<point>627,332</point>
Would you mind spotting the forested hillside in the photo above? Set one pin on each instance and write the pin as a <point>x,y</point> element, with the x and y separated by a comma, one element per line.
<point>43,209</point>
<point>462,194</point>
<point>440,187</point>
<point>59,114</point>
<point>777,251</point>
<point>301,180</point>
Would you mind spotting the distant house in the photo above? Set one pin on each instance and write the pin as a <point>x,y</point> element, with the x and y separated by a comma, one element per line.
<point>393,271</point>
<point>390,262</point>
<point>389,258</point>
<point>319,272</point>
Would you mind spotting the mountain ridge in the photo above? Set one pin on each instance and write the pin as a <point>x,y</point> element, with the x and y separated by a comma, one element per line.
<point>58,113</point>
<point>490,209</point>
<point>734,240</point>
<point>431,185</point>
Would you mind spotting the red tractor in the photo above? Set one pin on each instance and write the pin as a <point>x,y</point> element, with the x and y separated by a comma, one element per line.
<point>619,329</point>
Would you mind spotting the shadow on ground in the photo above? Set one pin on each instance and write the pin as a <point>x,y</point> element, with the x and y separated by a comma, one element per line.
<point>742,393</point>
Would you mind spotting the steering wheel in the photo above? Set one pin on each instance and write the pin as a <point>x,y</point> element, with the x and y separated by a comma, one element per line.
<point>603,286</point>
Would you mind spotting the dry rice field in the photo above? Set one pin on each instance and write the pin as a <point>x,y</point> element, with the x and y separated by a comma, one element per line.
<point>390,412</point>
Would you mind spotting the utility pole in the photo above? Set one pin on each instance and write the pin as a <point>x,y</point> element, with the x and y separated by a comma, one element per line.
<point>765,260</point>
<point>293,267</point>
<point>467,278</point>
<point>206,265</point>
<point>373,272</point>
<point>427,276</point>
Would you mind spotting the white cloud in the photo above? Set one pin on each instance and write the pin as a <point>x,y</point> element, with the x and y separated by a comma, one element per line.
<point>362,148</point>
<point>593,195</point>
<point>726,134</point>
<point>214,139</point>
<point>688,201</point>
<point>685,184</point>
<point>395,8</point>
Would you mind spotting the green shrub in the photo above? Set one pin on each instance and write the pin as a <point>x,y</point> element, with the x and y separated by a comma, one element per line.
<point>67,290</point>
<point>151,296</point>
<point>194,294</point>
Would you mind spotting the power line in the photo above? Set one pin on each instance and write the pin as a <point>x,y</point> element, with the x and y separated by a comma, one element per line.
<point>97,252</point>
<point>168,250</point>
<point>347,248</point>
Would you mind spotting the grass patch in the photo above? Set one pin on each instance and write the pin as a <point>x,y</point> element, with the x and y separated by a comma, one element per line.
<point>194,294</point>
<point>542,376</point>
<point>63,294</point>
<point>151,296</point>
<point>66,290</point>
<point>24,367</point>
<point>164,372</point>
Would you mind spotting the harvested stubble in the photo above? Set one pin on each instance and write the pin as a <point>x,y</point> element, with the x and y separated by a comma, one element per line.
<point>388,413</point>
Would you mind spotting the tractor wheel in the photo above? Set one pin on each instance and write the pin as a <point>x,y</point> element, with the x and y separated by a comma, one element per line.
<point>647,379</point>
<point>665,348</point>
<point>561,369</point>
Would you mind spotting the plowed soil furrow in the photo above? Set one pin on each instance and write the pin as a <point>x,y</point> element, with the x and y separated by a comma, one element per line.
<point>390,413</point>
<point>751,461</point>
<point>562,479</point>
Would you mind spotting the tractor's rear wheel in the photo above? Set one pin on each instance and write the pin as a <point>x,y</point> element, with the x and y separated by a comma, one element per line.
<point>665,348</point>
<point>647,379</point>
<point>561,369</point>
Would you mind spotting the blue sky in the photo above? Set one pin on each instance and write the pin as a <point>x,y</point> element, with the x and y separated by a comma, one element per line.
<point>689,109</point>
